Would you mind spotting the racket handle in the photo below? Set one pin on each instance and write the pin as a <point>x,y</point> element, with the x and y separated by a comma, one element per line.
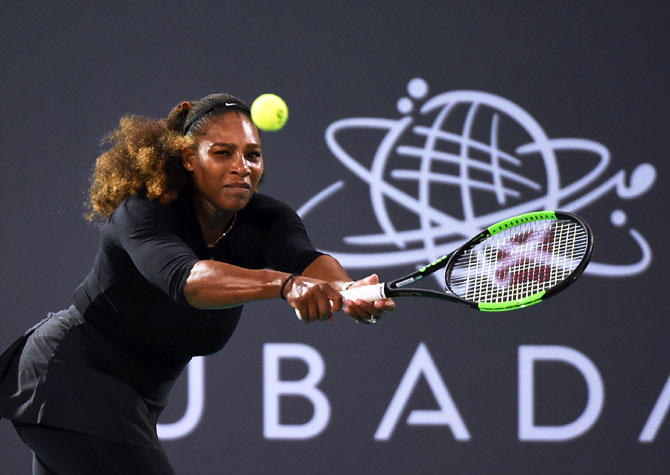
<point>368,293</point>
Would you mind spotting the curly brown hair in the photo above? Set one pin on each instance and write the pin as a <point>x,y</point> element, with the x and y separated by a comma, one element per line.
<point>146,154</point>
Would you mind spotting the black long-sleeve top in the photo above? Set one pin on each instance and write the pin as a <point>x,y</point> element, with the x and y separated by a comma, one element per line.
<point>135,290</point>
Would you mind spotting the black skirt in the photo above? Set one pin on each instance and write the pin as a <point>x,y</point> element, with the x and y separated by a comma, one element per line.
<point>63,372</point>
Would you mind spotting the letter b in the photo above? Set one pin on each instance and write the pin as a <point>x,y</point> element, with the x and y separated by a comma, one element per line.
<point>274,388</point>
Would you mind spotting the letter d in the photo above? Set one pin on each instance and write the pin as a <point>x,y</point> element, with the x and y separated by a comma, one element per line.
<point>528,431</point>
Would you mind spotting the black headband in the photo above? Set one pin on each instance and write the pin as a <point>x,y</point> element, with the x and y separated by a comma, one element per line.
<point>218,105</point>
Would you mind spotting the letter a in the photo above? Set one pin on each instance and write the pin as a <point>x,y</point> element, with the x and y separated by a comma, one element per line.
<point>274,388</point>
<point>447,415</point>
<point>657,415</point>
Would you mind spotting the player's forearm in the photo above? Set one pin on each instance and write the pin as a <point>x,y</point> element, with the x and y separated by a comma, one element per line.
<point>329,269</point>
<point>213,284</point>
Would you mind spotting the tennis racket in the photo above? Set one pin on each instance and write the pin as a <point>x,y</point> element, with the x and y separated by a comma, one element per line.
<point>510,265</point>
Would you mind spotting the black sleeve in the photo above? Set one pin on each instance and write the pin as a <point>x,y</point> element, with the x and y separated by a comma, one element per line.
<point>148,232</point>
<point>287,247</point>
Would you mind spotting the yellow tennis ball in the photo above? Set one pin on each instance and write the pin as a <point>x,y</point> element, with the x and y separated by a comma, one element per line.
<point>269,112</point>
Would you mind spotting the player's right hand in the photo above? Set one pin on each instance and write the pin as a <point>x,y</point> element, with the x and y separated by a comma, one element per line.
<point>314,299</point>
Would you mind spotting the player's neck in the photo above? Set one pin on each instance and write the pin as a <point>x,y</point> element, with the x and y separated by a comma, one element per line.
<point>213,221</point>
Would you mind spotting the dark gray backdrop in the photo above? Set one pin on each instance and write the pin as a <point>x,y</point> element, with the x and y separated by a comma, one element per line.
<point>595,70</point>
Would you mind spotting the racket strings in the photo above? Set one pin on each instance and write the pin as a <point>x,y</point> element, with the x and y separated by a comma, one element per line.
<point>519,262</point>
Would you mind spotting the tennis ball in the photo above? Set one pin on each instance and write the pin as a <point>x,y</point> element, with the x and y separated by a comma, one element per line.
<point>269,112</point>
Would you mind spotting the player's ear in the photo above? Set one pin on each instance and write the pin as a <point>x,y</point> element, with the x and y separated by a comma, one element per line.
<point>187,159</point>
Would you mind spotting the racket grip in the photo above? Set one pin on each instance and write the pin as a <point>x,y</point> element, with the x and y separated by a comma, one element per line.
<point>368,293</point>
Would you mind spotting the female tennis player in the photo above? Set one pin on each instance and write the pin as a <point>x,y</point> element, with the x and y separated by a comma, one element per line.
<point>187,240</point>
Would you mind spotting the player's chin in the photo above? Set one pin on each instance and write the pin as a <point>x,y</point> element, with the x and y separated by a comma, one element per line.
<point>236,201</point>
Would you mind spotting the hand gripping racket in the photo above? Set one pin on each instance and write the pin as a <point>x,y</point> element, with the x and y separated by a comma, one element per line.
<point>512,264</point>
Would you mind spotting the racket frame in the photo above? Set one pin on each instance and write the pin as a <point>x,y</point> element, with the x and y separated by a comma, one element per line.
<point>398,287</point>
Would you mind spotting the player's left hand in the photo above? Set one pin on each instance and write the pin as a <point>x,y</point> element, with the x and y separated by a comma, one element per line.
<point>367,312</point>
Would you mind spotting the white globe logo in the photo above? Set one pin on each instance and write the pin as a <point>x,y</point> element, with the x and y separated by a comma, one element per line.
<point>466,159</point>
